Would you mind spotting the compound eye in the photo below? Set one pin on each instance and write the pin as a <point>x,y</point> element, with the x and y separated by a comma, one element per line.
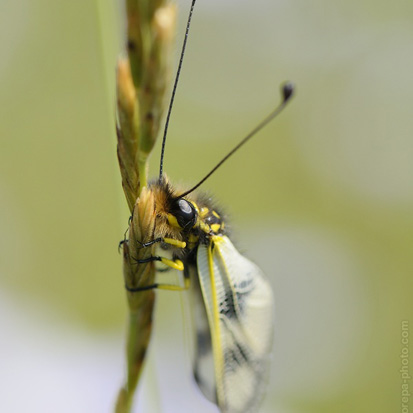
<point>185,214</point>
<point>185,207</point>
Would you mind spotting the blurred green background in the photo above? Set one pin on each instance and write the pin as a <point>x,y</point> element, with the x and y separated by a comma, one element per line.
<point>322,199</point>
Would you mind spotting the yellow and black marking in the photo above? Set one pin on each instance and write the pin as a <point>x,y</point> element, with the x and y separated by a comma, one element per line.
<point>182,223</point>
<point>232,302</point>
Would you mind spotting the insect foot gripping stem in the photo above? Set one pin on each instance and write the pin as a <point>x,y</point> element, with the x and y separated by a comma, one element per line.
<point>142,224</point>
<point>175,264</point>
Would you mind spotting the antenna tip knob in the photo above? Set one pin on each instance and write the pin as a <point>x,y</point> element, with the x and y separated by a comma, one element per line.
<point>287,89</point>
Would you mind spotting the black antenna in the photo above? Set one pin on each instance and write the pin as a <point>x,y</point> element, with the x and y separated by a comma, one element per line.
<point>174,90</point>
<point>287,92</point>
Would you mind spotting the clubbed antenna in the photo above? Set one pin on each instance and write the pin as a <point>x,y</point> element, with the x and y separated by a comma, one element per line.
<point>287,91</point>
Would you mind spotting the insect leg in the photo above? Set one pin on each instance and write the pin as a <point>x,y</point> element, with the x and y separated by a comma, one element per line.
<point>170,241</point>
<point>175,264</point>
<point>121,243</point>
<point>148,244</point>
<point>124,235</point>
<point>169,287</point>
<point>142,244</point>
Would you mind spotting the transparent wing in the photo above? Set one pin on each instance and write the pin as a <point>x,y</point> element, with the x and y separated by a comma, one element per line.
<point>240,311</point>
<point>203,361</point>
